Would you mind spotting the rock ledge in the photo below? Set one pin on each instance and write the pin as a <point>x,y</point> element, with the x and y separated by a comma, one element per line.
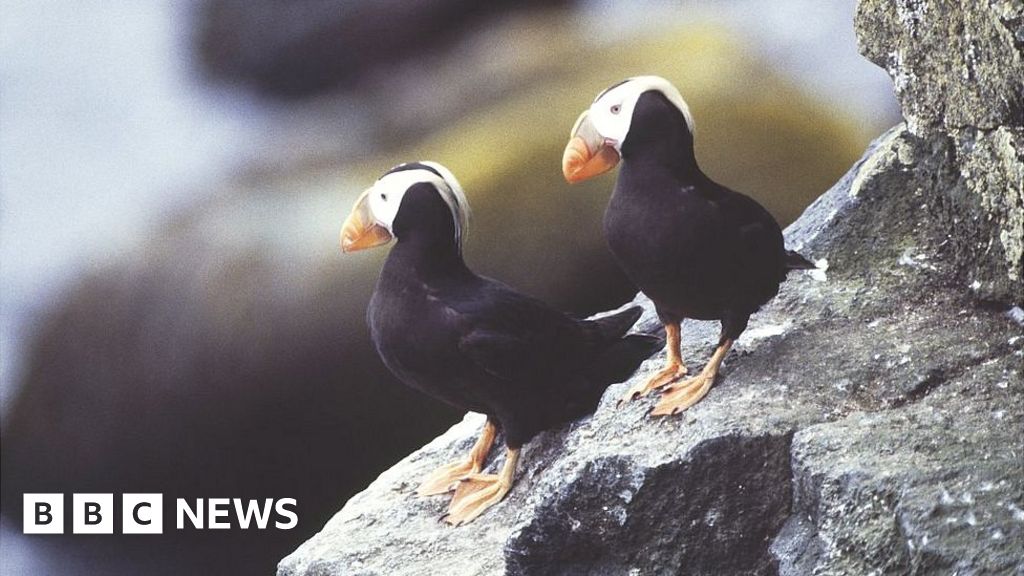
<point>868,420</point>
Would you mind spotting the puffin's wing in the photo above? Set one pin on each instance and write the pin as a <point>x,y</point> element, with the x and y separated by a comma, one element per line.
<point>512,336</point>
<point>754,222</point>
<point>761,235</point>
<point>758,234</point>
<point>503,356</point>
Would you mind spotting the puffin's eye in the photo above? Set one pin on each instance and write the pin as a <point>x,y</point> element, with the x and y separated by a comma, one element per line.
<point>616,108</point>
<point>384,196</point>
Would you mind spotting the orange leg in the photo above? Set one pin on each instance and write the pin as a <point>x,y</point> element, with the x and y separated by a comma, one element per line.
<point>478,492</point>
<point>674,368</point>
<point>682,395</point>
<point>442,479</point>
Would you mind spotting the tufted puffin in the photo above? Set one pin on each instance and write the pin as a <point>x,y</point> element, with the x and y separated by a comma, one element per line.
<point>473,342</point>
<point>696,248</point>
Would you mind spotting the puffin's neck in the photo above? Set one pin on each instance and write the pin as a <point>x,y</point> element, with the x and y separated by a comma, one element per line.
<point>665,150</point>
<point>670,162</point>
<point>428,260</point>
<point>675,154</point>
<point>660,142</point>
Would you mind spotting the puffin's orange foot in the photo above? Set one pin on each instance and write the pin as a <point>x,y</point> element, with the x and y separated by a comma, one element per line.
<point>442,480</point>
<point>478,492</point>
<point>682,395</point>
<point>666,375</point>
<point>475,494</point>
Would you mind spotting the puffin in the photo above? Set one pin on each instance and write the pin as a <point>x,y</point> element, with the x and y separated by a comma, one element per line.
<point>473,342</point>
<point>696,248</point>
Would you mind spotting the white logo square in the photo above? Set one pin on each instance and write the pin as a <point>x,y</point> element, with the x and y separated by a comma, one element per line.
<point>43,513</point>
<point>92,513</point>
<point>142,514</point>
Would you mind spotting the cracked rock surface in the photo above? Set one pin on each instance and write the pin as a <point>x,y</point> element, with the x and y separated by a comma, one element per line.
<point>870,420</point>
<point>958,72</point>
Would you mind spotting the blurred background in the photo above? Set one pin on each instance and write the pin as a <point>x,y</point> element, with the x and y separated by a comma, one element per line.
<point>176,314</point>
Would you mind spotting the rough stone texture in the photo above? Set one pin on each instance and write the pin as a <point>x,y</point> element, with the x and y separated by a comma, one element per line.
<point>954,63</point>
<point>958,71</point>
<point>869,421</point>
<point>941,495</point>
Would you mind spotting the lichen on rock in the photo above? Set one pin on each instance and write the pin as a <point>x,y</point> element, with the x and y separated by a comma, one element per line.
<point>958,71</point>
<point>954,64</point>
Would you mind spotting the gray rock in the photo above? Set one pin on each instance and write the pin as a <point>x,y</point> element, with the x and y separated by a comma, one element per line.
<point>938,492</point>
<point>879,377</point>
<point>958,71</point>
<point>954,65</point>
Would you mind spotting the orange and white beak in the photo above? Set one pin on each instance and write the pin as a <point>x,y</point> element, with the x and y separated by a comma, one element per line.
<point>360,230</point>
<point>588,153</point>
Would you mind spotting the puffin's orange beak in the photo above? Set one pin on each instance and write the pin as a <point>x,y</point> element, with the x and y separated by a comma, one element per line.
<point>587,154</point>
<point>360,231</point>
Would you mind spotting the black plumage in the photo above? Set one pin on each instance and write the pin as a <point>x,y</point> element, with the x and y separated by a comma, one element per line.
<point>479,345</point>
<point>696,248</point>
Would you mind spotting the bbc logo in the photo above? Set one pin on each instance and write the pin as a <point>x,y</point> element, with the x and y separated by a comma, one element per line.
<point>93,513</point>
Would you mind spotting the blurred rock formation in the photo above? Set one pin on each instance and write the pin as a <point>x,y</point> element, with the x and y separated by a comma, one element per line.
<point>301,48</point>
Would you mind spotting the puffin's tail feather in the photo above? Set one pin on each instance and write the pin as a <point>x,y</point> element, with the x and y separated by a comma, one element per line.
<point>614,326</point>
<point>620,360</point>
<point>620,354</point>
<point>795,261</point>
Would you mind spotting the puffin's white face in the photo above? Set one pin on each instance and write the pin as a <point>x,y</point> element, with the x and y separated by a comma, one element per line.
<point>595,144</point>
<point>371,222</point>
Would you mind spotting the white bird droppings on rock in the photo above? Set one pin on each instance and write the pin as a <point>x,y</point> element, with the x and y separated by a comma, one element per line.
<point>760,332</point>
<point>1016,314</point>
<point>820,270</point>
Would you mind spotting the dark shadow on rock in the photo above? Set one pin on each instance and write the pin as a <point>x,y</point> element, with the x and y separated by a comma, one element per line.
<point>709,513</point>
